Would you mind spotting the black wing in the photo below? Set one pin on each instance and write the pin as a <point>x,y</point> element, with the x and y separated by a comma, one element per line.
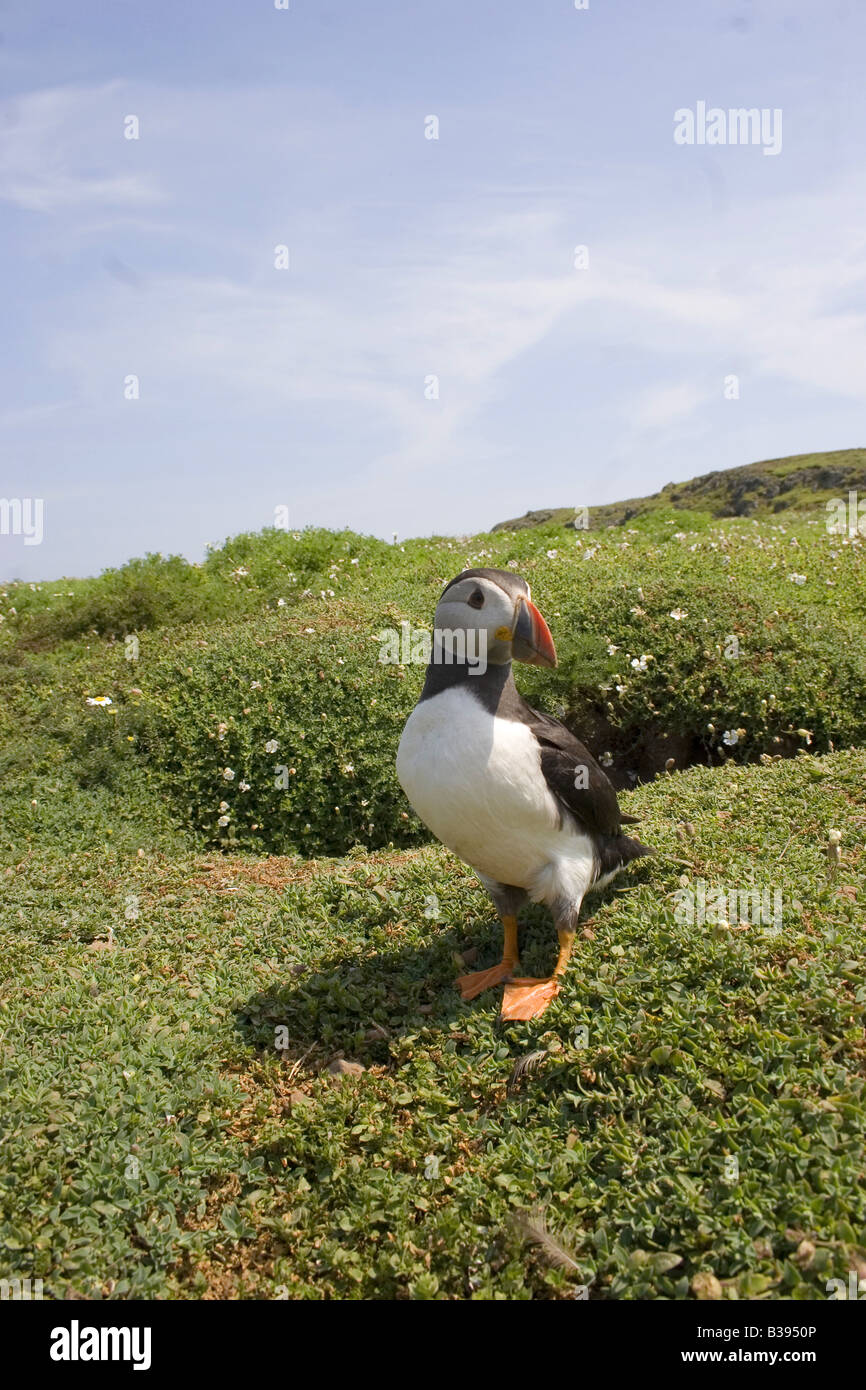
<point>574,776</point>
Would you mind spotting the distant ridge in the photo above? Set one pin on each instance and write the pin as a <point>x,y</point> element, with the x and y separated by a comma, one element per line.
<point>799,483</point>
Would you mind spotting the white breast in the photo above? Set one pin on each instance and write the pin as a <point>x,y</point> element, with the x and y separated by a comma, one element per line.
<point>475,780</point>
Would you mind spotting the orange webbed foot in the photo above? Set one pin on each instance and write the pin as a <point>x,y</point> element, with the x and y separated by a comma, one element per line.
<point>525,999</point>
<point>470,986</point>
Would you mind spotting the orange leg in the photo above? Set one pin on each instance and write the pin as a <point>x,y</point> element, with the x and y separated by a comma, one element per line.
<point>472,985</point>
<point>529,998</point>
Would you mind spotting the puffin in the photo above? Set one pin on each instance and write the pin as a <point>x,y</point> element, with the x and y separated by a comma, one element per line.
<point>509,790</point>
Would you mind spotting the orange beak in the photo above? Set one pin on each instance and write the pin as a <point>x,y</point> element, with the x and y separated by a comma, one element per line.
<point>532,641</point>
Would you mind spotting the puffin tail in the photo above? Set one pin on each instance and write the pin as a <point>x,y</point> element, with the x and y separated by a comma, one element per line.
<point>615,851</point>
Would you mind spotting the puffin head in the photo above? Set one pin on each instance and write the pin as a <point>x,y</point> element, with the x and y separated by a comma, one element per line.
<point>498,603</point>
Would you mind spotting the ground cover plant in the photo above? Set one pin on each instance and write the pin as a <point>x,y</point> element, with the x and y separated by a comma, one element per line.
<point>234,1063</point>
<point>274,728</point>
<point>172,1128</point>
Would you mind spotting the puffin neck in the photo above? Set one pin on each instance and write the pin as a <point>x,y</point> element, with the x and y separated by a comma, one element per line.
<point>489,686</point>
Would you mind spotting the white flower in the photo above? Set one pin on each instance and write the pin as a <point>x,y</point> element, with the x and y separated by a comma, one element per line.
<point>512,564</point>
<point>552,554</point>
<point>271,746</point>
<point>588,554</point>
<point>348,768</point>
<point>678,614</point>
<point>256,685</point>
<point>354,562</point>
<point>228,774</point>
<point>731,737</point>
<point>239,573</point>
<point>281,603</point>
<point>243,786</point>
<point>309,629</point>
<point>101,700</point>
<point>224,806</point>
<point>223,820</point>
<point>606,759</point>
<point>639,663</point>
<point>611,648</point>
<point>797,578</point>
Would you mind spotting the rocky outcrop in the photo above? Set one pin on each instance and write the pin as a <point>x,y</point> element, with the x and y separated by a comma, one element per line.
<point>799,483</point>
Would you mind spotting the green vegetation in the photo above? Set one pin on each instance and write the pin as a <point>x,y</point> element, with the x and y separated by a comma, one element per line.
<point>156,1143</point>
<point>678,638</point>
<point>693,1121</point>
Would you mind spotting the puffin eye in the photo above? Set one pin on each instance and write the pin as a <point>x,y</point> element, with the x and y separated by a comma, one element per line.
<point>476,600</point>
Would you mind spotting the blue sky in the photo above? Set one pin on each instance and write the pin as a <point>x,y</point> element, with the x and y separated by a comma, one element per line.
<point>412,258</point>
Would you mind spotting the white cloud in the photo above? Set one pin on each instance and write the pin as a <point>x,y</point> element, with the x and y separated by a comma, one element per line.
<point>661,406</point>
<point>386,291</point>
<point>61,148</point>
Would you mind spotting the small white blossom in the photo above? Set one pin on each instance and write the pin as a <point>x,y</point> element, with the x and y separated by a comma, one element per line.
<point>101,700</point>
<point>797,578</point>
<point>731,737</point>
<point>223,820</point>
<point>271,746</point>
<point>228,774</point>
<point>678,614</point>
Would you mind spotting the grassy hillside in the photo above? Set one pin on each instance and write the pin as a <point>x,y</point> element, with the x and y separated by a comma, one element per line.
<point>692,1122</point>
<point>679,638</point>
<point>163,1139</point>
<point>800,483</point>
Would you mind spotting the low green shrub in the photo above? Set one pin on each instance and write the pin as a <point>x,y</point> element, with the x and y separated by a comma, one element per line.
<point>276,728</point>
